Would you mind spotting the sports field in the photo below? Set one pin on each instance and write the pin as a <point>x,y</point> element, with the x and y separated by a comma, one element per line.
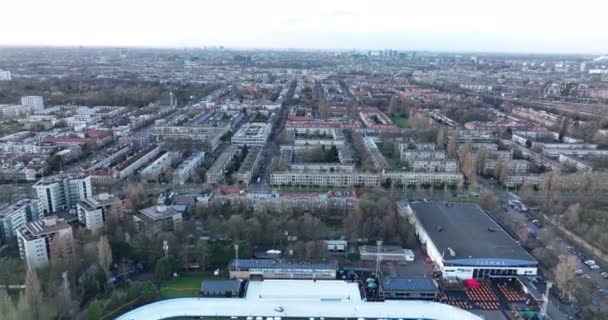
<point>185,286</point>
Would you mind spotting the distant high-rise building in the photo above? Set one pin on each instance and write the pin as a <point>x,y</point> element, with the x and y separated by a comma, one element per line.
<point>36,103</point>
<point>62,192</point>
<point>5,75</point>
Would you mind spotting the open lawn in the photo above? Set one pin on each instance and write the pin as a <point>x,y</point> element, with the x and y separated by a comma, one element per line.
<point>390,155</point>
<point>401,121</point>
<point>189,285</point>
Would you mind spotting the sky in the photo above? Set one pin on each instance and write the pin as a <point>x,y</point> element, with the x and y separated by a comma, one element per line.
<point>525,26</point>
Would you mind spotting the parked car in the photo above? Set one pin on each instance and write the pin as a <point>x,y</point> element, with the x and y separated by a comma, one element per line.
<point>590,262</point>
<point>604,274</point>
<point>594,267</point>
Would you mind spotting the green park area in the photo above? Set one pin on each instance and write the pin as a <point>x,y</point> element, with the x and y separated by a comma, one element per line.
<point>401,121</point>
<point>188,285</point>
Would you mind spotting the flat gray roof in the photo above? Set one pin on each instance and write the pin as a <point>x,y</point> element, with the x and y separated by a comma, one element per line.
<point>409,284</point>
<point>283,264</point>
<point>464,232</point>
<point>298,299</point>
<point>213,286</point>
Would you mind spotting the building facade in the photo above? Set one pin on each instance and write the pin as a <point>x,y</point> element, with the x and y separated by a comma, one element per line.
<point>15,216</point>
<point>44,240</point>
<point>154,220</point>
<point>93,212</point>
<point>62,192</point>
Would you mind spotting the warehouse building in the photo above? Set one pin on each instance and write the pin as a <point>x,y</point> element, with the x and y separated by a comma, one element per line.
<point>410,288</point>
<point>465,243</point>
<point>221,288</point>
<point>386,253</point>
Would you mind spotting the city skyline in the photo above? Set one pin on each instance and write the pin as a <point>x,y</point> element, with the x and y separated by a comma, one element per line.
<point>466,26</point>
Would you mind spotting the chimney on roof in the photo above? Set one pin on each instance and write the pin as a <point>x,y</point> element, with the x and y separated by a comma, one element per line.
<point>50,220</point>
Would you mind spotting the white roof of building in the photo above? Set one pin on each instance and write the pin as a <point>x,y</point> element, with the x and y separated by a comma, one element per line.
<point>303,290</point>
<point>298,299</point>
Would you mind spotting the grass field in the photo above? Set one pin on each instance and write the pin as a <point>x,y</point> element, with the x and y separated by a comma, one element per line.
<point>186,286</point>
<point>401,121</point>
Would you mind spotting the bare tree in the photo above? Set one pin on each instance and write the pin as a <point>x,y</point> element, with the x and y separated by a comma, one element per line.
<point>116,213</point>
<point>487,200</point>
<point>468,166</point>
<point>572,215</point>
<point>312,249</point>
<point>453,145</point>
<point>135,196</point>
<point>353,222</point>
<point>482,156</point>
<point>550,188</point>
<point>104,255</point>
<point>467,148</point>
<point>8,309</point>
<point>32,295</point>
<point>440,143</point>
<point>324,109</point>
<point>526,191</point>
<point>418,122</point>
<point>565,273</point>
<point>61,248</point>
<point>393,105</point>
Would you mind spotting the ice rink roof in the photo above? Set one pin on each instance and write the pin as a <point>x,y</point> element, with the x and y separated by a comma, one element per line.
<point>298,299</point>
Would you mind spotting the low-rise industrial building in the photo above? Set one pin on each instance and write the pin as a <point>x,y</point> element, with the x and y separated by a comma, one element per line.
<point>221,288</point>
<point>410,288</point>
<point>464,242</point>
<point>386,253</point>
<point>282,269</point>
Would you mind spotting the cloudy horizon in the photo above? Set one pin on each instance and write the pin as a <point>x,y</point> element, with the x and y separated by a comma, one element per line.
<point>438,25</point>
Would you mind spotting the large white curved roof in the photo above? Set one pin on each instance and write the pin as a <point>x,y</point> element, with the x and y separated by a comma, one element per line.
<point>240,307</point>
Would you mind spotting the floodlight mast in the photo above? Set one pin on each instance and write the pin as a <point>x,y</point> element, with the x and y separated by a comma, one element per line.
<point>236,257</point>
<point>378,246</point>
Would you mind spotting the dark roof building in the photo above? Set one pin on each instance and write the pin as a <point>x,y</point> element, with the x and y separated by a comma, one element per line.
<point>221,288</point>
<point>283,269</point>
<point>466,243</point>
<point>410,288</point>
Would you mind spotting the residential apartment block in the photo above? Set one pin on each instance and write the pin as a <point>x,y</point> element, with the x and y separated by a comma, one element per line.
<point>61,192</point>
<point>15,216</point>
<point>252,134</point>
<point>434,165</point>
<point>37,244</point>
<point>185,169</point>
<point>93,211</point>
<point>154,220</point>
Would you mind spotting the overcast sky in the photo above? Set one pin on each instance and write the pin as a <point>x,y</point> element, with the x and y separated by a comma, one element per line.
<point>528,26</point>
